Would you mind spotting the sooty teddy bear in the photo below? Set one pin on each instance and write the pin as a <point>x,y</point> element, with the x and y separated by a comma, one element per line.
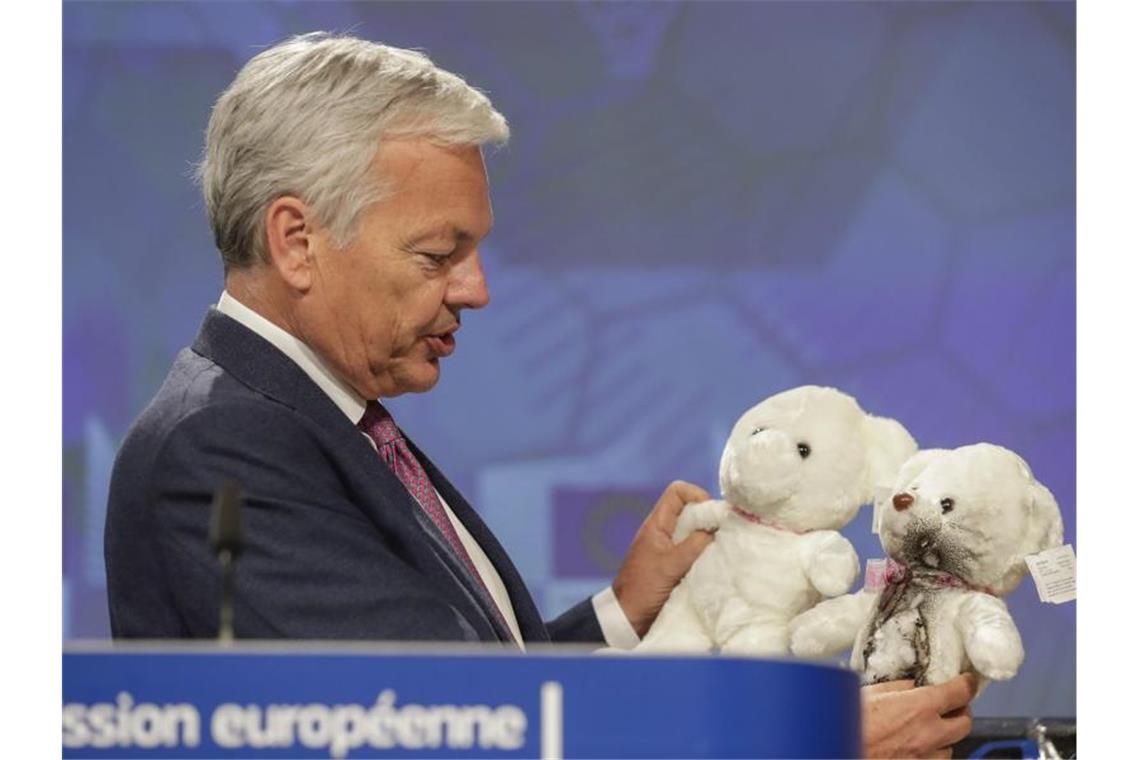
<point>796,467</point>
<point>956,527</point>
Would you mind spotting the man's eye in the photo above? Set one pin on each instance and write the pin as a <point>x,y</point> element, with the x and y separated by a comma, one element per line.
<point>947,505</point>
<point>436,259</point>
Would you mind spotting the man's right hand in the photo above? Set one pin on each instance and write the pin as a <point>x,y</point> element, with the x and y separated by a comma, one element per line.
<point>654,564</point>
<point>902,721</point>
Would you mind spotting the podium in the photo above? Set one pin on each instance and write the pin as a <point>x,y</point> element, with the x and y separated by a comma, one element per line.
<point>321,699</point>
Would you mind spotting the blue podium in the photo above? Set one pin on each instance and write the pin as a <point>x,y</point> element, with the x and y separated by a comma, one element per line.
<point>319,699</point>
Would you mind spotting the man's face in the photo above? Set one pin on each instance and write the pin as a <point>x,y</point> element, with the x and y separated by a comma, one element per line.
<point>383,311</point>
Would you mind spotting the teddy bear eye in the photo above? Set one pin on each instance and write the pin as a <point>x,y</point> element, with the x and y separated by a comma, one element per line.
<point>804,449</point>
<point>947,505</point>
<point>757,431</point>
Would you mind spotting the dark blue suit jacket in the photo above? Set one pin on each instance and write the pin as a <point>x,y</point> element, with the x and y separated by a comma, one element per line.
<point>336,548</point>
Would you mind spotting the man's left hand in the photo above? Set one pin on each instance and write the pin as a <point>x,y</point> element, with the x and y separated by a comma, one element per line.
<point>654,564</point>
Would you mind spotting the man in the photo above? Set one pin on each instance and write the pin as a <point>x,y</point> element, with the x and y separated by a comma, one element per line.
<point>347,192</point>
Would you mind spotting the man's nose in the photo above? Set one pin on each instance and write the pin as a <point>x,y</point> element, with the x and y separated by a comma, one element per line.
<point>468,287</point>
<point>902,501</point>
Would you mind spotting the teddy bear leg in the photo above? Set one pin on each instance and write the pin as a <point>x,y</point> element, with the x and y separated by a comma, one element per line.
<point>677,628</point>
<point>757,640</point>
<point>831,626</point>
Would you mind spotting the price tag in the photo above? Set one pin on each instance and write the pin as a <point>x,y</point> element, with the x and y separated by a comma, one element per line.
<point>876,576</point>
<point>882,496</point>
<point>1055,573</point>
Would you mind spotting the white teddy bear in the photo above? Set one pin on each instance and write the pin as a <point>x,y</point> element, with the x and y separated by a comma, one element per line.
<point>957,527</point>
<point>796,467</point>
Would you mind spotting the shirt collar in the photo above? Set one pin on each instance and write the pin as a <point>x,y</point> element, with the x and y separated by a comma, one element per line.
<point>345,398</point>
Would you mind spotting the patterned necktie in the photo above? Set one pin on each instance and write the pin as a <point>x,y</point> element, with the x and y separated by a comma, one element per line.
<point>378,425</point>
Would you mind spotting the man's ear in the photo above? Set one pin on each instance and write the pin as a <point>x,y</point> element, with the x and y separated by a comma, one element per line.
<point>290,229</point>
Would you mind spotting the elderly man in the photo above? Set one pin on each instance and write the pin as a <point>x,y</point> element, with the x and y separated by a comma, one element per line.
<point>345,184</point>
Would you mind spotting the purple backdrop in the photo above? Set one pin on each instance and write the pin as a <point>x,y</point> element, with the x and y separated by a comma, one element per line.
<point>701,205</point>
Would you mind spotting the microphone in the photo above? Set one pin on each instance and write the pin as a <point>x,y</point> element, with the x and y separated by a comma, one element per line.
<point>227,542</point>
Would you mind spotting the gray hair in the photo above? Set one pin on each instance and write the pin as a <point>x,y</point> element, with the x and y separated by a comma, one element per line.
<point>305,118</point>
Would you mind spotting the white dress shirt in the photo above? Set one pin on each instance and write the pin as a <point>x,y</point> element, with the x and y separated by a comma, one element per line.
<point>615,626</point>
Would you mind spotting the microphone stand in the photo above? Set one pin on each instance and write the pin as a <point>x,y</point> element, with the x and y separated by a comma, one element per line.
<point>227,541</point>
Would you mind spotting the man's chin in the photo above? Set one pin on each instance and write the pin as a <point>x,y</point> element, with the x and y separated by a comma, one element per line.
<point>421,380</point>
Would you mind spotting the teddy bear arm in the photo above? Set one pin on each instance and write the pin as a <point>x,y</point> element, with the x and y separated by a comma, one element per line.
<point>831,626</point>
<point>990,637</point>
<point>678,627</point>
<point>699,515</point>
<point>830,562</point>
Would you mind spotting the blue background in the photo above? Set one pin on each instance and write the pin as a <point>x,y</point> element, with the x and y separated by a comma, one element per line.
<point>701,204</point>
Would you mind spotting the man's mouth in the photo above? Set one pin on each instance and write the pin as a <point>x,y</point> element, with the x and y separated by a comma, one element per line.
<point>441,344</point>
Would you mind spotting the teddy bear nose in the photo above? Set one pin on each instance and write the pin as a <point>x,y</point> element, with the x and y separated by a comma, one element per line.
<point>902,501</point>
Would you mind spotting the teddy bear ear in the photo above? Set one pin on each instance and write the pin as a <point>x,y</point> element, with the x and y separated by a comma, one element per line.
<point>889,445</point>
<point>1045,530</point>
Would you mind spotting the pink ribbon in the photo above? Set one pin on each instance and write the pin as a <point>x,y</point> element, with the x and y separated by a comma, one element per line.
<point>897,572</point>
<point>758,520</point>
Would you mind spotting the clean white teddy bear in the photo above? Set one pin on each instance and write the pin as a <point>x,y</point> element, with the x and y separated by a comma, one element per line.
<point>796,467</point>
<point>957,527</point>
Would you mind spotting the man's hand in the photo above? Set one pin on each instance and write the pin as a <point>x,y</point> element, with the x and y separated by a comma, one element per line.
<point>902,721</point>
<point>654,564</point>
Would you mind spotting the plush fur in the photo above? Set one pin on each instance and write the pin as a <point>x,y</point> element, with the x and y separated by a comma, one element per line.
<point>798,466</point>
<point>958,525</point>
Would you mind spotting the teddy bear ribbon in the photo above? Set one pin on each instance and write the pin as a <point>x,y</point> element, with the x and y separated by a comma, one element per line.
<point>758,520</point>
<point>899,573</point>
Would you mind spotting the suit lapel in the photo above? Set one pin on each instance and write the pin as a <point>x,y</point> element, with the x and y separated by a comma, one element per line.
<point>448,570</point>
<point>477,595</point>
<point>382,497</point>
<point>526,613</point>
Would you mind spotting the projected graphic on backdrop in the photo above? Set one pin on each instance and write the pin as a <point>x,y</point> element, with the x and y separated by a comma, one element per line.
<point>701,205</point>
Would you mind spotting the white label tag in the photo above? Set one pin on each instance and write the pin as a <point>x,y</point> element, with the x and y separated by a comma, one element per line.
<point>1055,573</point>
<point>876,576</point>
<point>882,496</point>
